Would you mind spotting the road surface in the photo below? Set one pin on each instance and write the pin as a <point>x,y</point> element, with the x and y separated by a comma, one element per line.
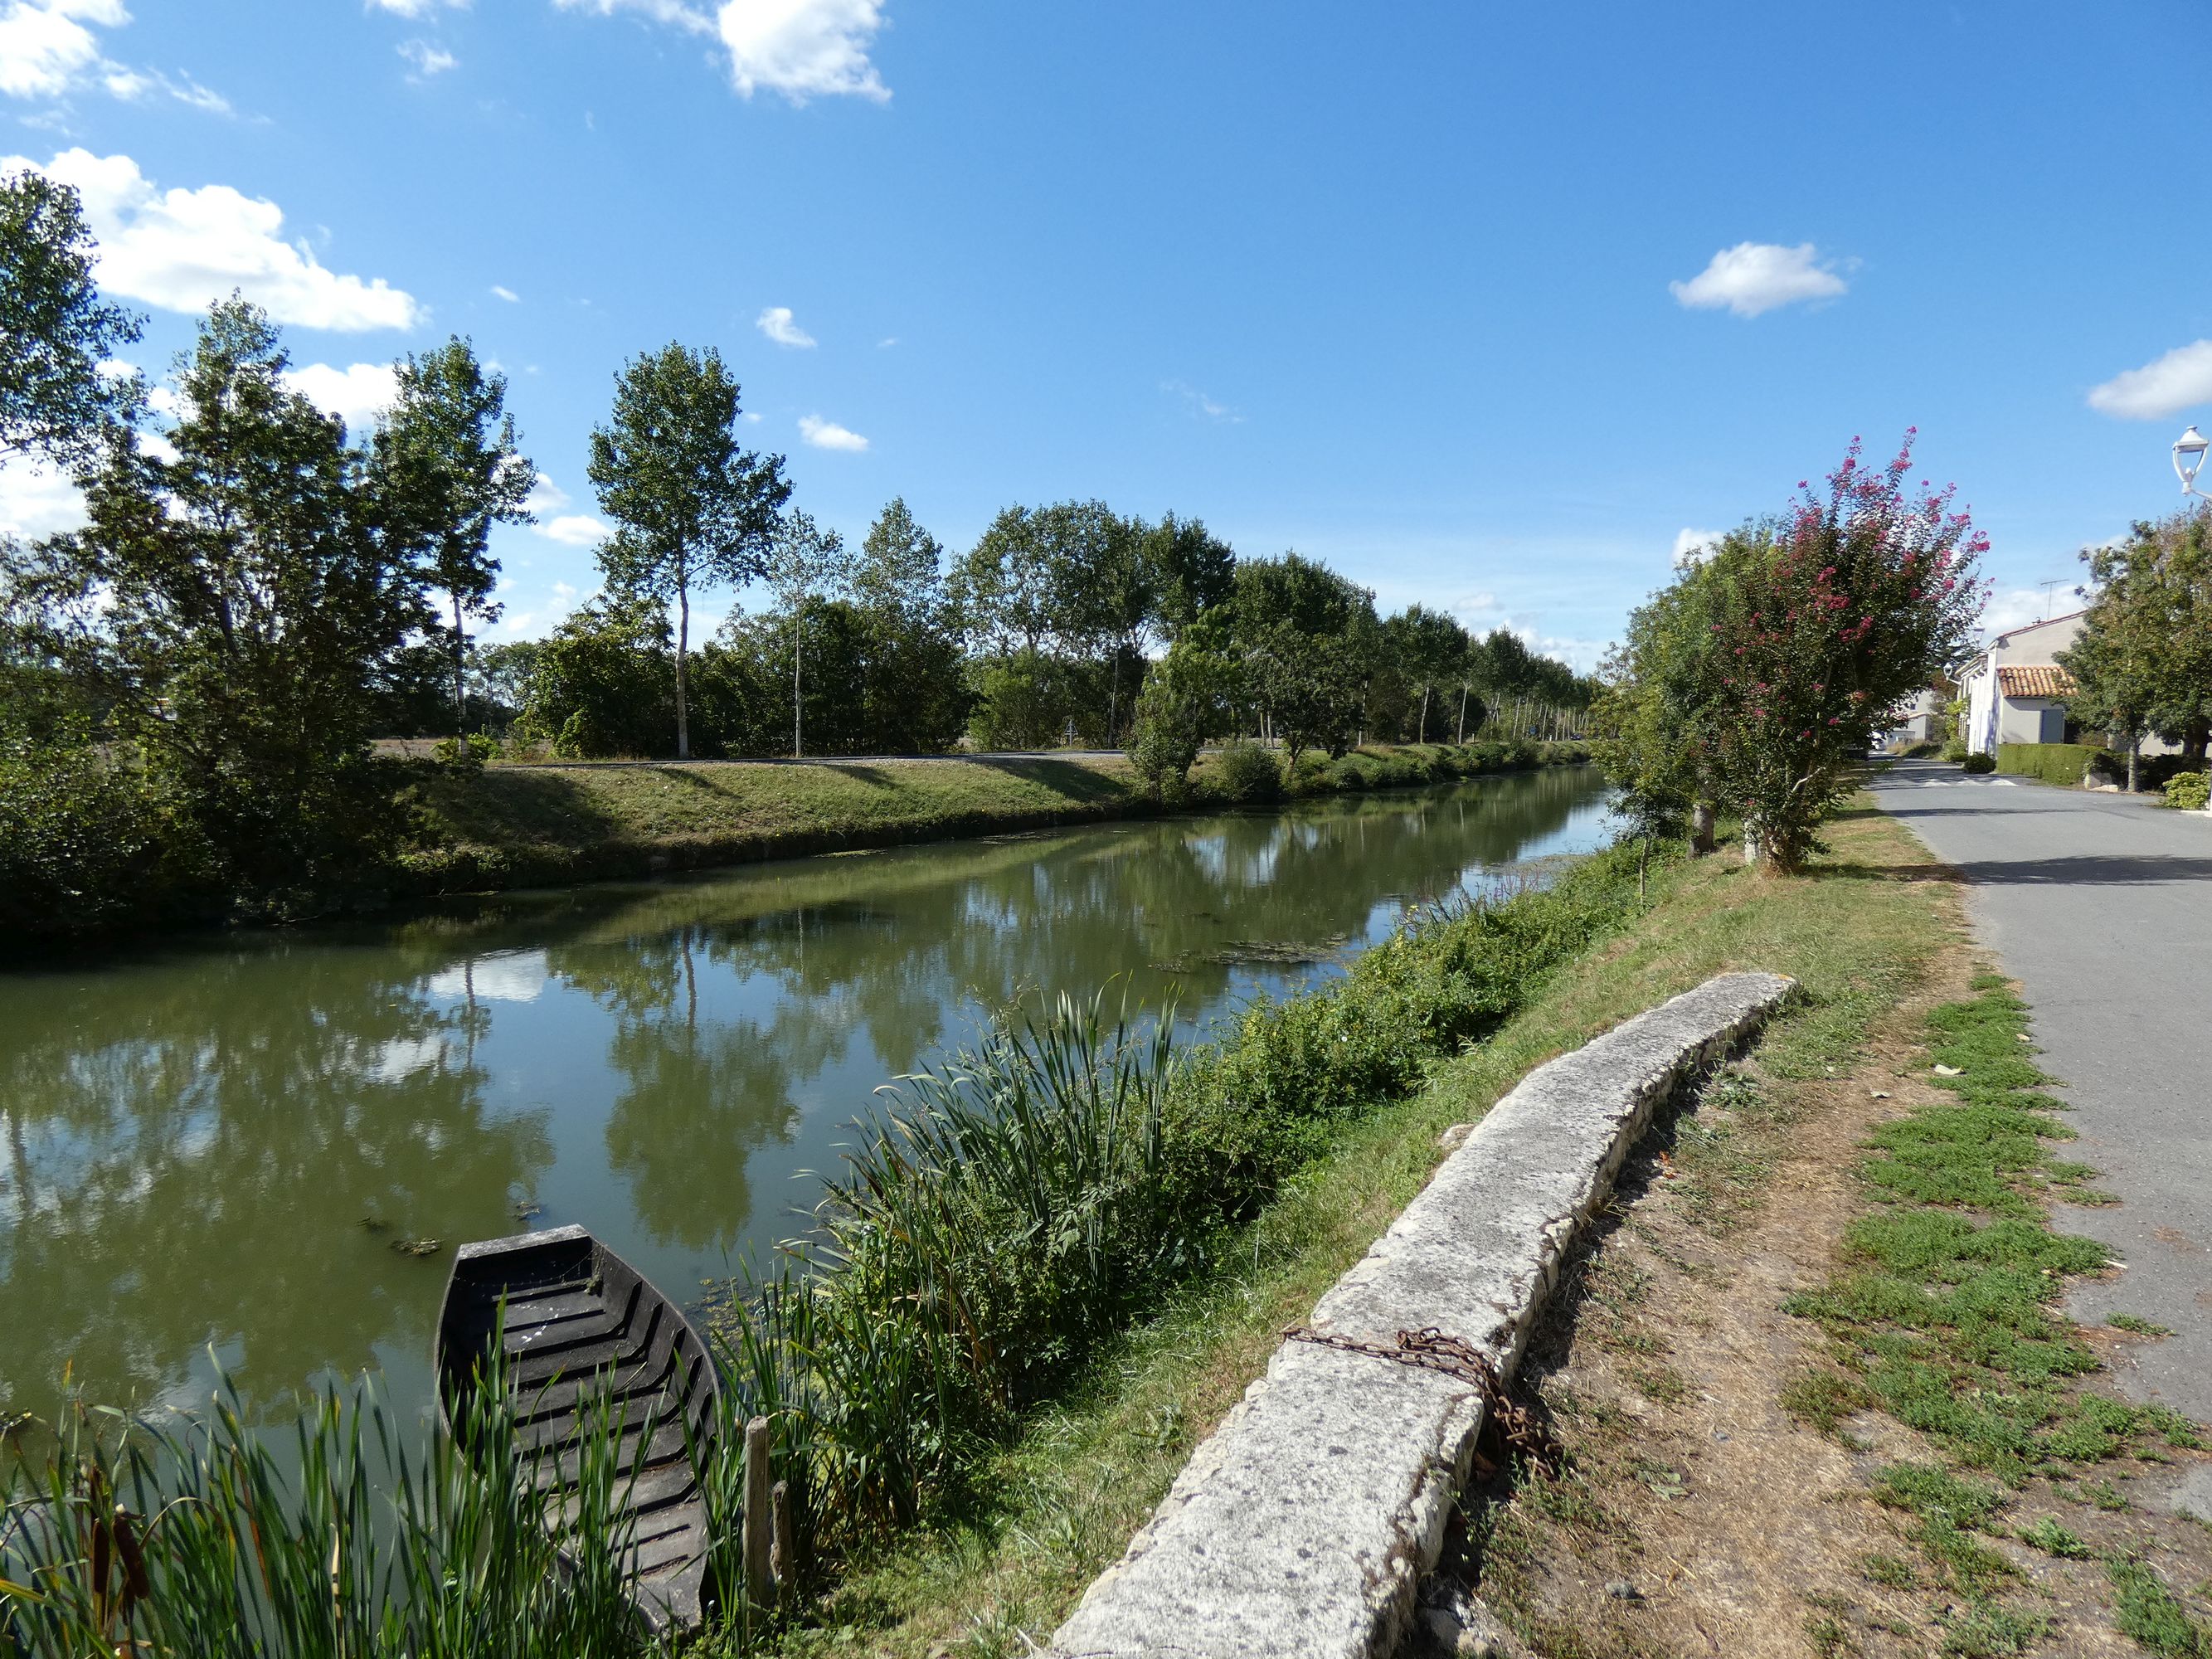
<point>2101,905</point>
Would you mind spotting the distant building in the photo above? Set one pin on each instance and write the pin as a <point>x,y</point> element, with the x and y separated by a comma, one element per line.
<point>2016,690</point>
<point>1914,721</point>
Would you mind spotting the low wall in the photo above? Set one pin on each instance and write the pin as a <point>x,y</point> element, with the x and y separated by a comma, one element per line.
<point>1304,1523</point>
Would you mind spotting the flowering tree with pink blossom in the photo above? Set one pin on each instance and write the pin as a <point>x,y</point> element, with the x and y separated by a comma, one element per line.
<point>1768,666</point>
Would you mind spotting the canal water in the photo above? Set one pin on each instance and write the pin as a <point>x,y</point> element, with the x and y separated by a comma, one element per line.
<point>214,1151</point>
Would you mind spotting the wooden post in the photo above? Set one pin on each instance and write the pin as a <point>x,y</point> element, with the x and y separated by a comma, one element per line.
<point>783,1564</point>
<point>759,1505</point>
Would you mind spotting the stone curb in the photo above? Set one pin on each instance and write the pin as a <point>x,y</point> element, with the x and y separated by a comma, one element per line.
<point>1304,1523</point>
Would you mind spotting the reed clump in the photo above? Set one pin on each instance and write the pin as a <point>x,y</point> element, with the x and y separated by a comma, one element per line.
<point>1003,1211</point>
<point>349,1538</point>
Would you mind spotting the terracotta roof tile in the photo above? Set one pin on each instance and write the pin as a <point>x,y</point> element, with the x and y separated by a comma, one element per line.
<point>2035,680</point>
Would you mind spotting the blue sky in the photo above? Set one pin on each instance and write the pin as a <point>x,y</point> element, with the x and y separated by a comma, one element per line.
<point>1485,305</point>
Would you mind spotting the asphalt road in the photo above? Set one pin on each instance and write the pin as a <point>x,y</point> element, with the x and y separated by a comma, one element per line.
<point>2101,906</point>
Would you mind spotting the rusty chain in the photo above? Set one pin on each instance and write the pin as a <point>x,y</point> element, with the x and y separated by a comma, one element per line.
<point>1431,1350</point>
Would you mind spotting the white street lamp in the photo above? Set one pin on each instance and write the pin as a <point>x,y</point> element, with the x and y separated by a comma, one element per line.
<point>2188,455</point>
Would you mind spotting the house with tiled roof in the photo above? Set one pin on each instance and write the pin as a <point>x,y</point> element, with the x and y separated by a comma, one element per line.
<point>2016,690</point>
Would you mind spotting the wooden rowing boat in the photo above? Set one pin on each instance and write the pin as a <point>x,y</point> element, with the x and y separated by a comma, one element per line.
<point>584,1330</point>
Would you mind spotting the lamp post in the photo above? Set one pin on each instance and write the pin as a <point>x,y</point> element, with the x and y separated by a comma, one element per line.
<point>2188,455</point>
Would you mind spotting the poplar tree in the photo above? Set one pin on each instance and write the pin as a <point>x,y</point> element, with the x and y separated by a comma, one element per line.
<point>694,508</point>
<point>444,468</point>
<point>55,401</point>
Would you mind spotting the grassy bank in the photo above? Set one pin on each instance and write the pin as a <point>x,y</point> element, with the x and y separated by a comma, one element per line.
<point>480,829</point>
<point>1046,1511</point>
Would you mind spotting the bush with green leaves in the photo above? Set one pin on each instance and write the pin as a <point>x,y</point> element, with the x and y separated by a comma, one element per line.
<point>1979,763</point>
<point>2189,791</point>
<point>1245,775</point>
<point>89,842</point>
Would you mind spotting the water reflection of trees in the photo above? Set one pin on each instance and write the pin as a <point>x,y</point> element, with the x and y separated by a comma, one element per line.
<point>190,1161</point>
<point>191,1144</point>
<point>853,958</point>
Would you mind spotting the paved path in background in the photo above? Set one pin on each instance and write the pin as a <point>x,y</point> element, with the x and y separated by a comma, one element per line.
<point>2101,906</point>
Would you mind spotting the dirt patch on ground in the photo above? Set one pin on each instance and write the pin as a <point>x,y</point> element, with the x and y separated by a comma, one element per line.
<point>1697,1514</point>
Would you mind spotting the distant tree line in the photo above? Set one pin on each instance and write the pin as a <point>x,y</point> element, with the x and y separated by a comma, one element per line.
<point>190,684</point>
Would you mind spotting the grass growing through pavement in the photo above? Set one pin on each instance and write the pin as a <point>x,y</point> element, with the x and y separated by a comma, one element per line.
<point>1945,1315</point>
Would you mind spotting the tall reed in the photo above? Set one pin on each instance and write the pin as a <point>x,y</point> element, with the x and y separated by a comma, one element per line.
<point>206,1538</point>
<point>998,1212</point>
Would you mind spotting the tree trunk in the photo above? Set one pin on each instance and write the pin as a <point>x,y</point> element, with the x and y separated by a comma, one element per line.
<point>2134,752</point>
<point>2192,745</point>
<point>1113,700</point>
<point>1422,735</point>
<point>683,647</point>
<point>1463,714</point>
<point>460,675</point>
<point>798,733</point>
<point>1701,828</point>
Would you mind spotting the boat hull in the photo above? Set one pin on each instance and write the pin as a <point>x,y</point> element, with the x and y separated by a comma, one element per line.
<point>583,1334</point>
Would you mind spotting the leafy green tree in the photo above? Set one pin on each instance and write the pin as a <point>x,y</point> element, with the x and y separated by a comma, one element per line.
<point>1191,571</point>
<point>444,468</point>
<point>2144,659</point>
<point>1010,585</point>
<point>695,509</point>
<point>805,563</point>
<point>1427,648</point>
<point>915,692</point>
<point>1187,697</point>
<point>55,333</point>
<point>604,683</point>
<point>1303,636</point>
<point>1790,645</point>
<point>227,607</point>
<point>901,569</point>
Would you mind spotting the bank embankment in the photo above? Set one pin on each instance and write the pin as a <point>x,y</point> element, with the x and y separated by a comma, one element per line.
<point>1049,1508</point>
<point>485,828</point>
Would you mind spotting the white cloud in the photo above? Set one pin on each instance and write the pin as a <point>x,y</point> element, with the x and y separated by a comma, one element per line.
<point>752,417</point>
<point>1691,546</point>
<point>673,12</point>
<point>828,434</point>
<point>2174,382</point>
<point>183,249</point>
<point>500,291</point>
<point>45,45</point>
<point>545,497</point>
<point>48,49</point>
<point>775,322</point>
<point>37,501</point>
<point>130,85</point>
<point>356,395</point>
<point>573,530</point>
<point>887,342</point>
<point>1198,404</point>
<point>429,60</point>
<point>803,48</point>
<point>414,8</point>
<point>1755,276</point>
